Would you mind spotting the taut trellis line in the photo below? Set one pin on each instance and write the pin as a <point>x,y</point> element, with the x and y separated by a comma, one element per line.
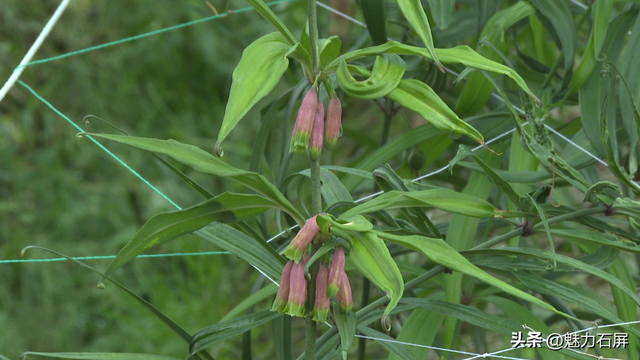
<point>26,63</point>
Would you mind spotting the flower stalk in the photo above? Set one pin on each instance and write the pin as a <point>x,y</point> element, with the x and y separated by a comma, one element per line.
<point>316,197</point>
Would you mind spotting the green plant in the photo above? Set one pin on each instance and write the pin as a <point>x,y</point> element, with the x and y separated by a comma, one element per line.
<point>452,231</point>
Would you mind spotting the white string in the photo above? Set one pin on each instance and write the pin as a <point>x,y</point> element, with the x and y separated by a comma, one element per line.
<point>574,332</point>
<point>341,14</point>
<point>416,345</point>
<point>34,48</point>
<point>576,145</point>
<point>606,326</point>
<point>265,275</point>
<point>579,4</point>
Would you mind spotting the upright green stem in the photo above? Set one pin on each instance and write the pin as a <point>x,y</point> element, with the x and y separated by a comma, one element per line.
<point>316,197</point>
<point>313,37</point>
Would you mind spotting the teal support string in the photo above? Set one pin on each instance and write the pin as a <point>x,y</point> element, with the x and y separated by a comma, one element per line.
<point>113,257</point>
<point>100,145</point>
<point>141,36</point>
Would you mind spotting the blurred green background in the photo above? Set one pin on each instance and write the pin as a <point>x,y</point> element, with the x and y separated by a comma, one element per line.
<point>66,194</point>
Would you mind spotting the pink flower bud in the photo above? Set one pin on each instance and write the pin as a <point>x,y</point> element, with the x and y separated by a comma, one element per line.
<point>336,270</point>
<point>297,291</point>
<point>334,120</point>
<point>283,292</point>
<point>299,244</point>
<point>317,134</point>
<point>323,302</point>
<point>345,300</point>
<point>304,122</point>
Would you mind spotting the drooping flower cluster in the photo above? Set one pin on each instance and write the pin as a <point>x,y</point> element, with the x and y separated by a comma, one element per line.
<point>311,132</point>
<point>331,282</point>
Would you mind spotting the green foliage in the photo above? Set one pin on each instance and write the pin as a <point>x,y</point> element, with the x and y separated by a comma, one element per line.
<point>440,251</point>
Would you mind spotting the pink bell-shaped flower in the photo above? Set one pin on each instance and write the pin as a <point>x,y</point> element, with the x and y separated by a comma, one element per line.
<point>297,291</point>
<point>323,302</point>
<point>334,120</point>
<point>336,270</point>
<point>299,244</point>
<point>317,134</point>
<point>345,300</point>
<point>304,122</point>
<point>282,297</point>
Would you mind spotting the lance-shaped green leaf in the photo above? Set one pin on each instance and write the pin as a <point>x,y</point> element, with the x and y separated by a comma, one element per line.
<point>346,324</point>
<point>388,180</point>
<point>352,223</point>
<point>442,11</point>
<point>329,49</point>
<point>374,17</point>
<point>477,90</point>
<point>600,191</point>
<point>565,292</point>
<point>499,182</point>
<point>255,298</point>
<point>206,163</point>
<point>227,329</point>
<point>444,199</point>
<point>420,97</point>
<point>260,68</point>
<point>626,308</point>
<point>594,90</point>
<point>384,77</point>
<point>370,255</point>
<point>577,264</point>
<point>417,18</point>
<point>227,207</point>
<point>256,252</point>
<point>545,224</point>
<point>601,14</point>
<point>467,314</point>
<point>457,55</point>
<point>559,16</point>
<point>97,356</point>
<point>627,207</point>
<point>441,253</point>
<point>523,176</point>
<point>268,14</point>
<point>611,152</point>
<point>600,36</point>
